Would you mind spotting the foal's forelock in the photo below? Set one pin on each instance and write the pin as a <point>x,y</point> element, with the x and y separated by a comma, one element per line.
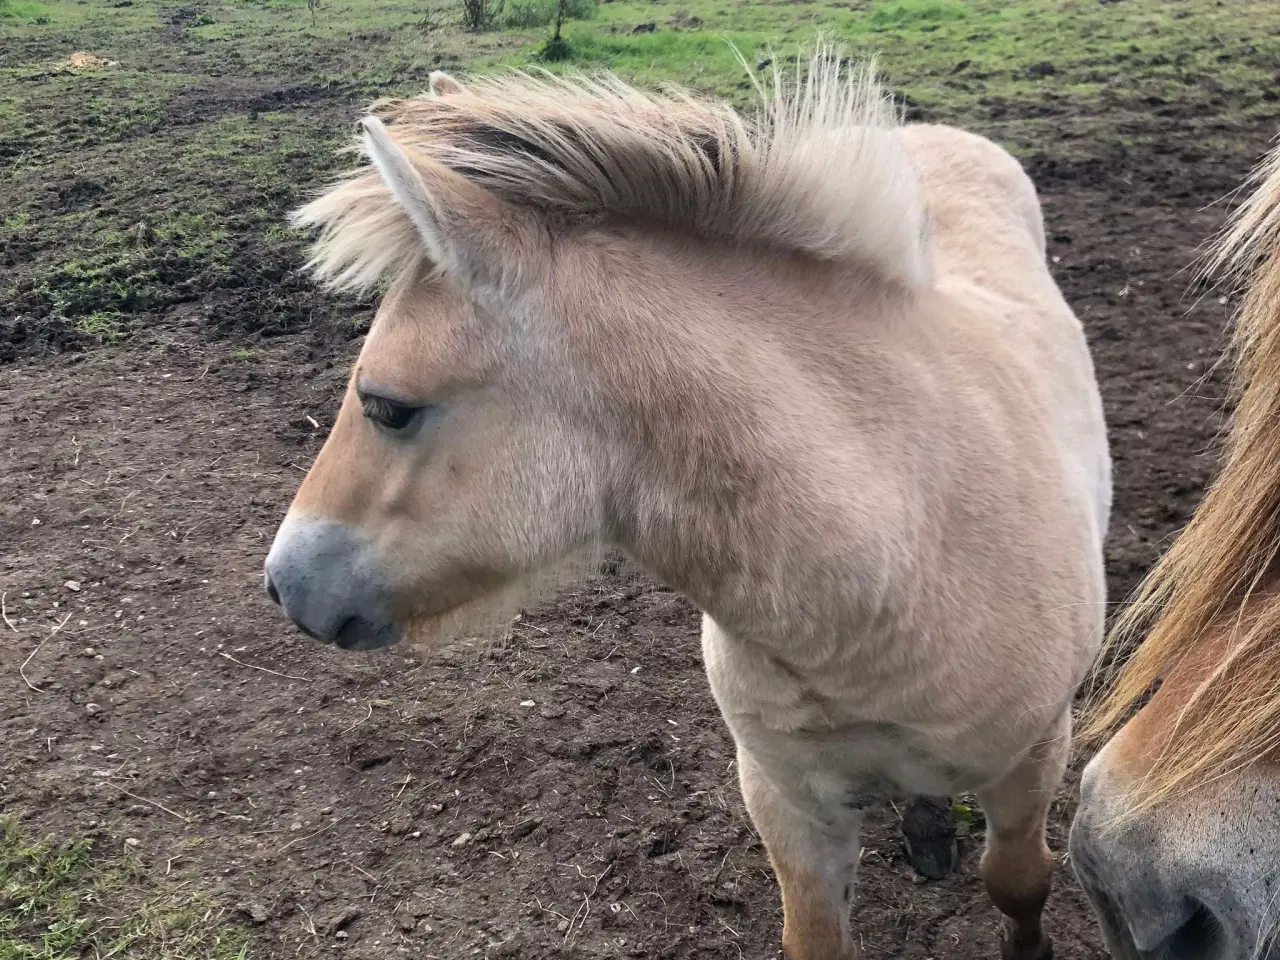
<point>819,170</point>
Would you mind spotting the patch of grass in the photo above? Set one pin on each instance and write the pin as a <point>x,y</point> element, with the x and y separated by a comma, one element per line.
<point>213,147</point>
<point>952,57</point>
<point>24,10</point>
<point>102,325</point>
<point>700,59</point>
<point>523,14</point>
<point>132,272</point>
<point>126,274</point>
<point>69,899</point>
<point>907,13</point>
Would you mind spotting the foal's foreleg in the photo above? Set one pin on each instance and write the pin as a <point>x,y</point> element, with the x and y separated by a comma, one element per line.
<point>815,865</point>
<point>1017,866</point>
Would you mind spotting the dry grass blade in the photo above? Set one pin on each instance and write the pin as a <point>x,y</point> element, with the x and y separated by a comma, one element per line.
<point>22,670</point>
<point>254,666</point>
<point>4,612</point>
<point>158,806</point>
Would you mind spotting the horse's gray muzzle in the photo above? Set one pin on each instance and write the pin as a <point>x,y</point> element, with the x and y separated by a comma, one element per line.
<point>325,578</point>
<point>1155,899</point>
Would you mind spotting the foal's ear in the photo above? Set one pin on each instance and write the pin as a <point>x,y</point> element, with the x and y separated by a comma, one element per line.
<point>442,85</point>
<point>469,234</point>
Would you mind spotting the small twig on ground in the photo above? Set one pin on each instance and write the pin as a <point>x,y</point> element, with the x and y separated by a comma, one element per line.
<point>407,780</point>
<point>353,866</point>
<point>586,912</point>
<point>4,611</point>
<point>254,666</point>
<point>327,826</point>
<point>727,927</point>
<point>554,913</point>
<point>158,806</point>
<point>310,925</point>
<point>361,720</point>
<point>22,670</point>
<point>586,876</point>
<point>715,877</point>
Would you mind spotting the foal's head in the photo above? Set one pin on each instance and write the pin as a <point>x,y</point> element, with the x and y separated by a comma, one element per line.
<point>562,254</point>
<point>450,477</point>
<point>1177,839</point>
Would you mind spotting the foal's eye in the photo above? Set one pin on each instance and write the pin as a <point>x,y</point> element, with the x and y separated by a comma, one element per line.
<point>387,413</point>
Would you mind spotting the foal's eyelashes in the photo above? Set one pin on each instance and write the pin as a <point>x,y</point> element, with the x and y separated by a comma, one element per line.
<point>391,414</point>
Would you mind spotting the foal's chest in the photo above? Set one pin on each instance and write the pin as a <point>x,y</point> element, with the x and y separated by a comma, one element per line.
<point>828,753</point>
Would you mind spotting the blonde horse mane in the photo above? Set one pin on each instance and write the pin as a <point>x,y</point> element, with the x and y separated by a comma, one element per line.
<point>820,170</point>
<point>1217,575</point>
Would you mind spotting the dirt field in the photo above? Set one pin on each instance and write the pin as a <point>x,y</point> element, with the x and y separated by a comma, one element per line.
<point>569,793</point>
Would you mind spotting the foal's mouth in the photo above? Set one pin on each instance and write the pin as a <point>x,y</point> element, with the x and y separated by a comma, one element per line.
<point>361,634</point>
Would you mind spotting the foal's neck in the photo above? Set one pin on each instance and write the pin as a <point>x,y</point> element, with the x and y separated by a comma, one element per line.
<point>735,395</point>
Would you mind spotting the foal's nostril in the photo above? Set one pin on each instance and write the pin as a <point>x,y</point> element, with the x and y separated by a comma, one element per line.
<point>1196,938</point>
<point>272,592</point>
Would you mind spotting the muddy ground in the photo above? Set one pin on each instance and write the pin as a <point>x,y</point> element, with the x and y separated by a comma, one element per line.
<point>378,805</point>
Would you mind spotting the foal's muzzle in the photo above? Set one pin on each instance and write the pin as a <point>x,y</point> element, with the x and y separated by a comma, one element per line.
<point>326,579</point>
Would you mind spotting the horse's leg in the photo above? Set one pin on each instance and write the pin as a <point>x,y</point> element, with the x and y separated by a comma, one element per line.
<point>1017,866</point>
<point>815,866</point>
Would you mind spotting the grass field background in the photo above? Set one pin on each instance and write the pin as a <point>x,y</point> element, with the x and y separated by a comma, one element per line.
<point>171,168</point>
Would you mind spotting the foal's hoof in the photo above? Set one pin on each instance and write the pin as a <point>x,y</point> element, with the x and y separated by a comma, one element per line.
<point>929,828</point>
<point>1015,946</point>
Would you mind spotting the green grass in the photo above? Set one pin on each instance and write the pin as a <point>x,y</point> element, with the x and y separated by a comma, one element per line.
<point>23,10</point>
<point>128,274</point>
<point>523,14</point>
<point>70,899</point>
<point>915,13</point>
<point>949,56</point>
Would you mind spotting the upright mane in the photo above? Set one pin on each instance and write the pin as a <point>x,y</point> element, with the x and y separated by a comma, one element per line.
<point>1219,575</point>
<point>819,170</point>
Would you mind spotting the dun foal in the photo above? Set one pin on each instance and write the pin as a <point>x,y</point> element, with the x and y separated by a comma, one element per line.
<point>1177,838</point>
<point>811,369</point>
